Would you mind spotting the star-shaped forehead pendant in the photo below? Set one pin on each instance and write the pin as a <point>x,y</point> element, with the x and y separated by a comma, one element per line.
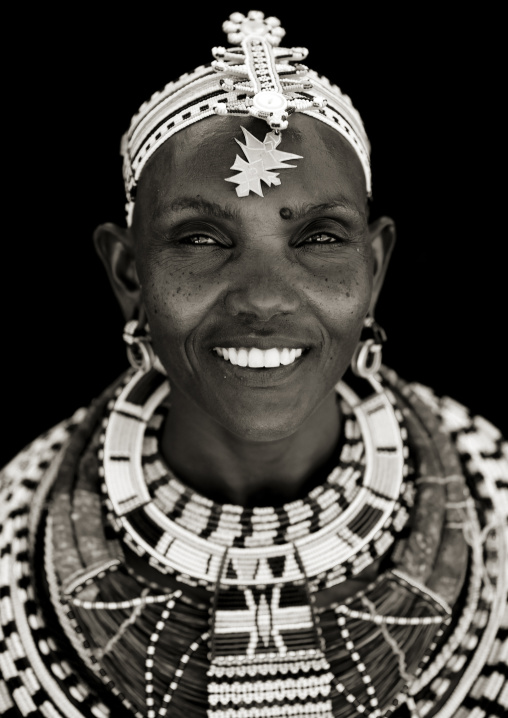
<point>262,157</point>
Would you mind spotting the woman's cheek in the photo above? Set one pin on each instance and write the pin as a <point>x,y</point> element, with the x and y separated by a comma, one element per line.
<point>345,294</point>
<point>172,294</point>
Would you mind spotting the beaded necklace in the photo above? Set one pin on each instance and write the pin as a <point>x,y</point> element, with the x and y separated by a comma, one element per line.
<point>384,645</point>
<point>333,533</point>
<point>262,564</point>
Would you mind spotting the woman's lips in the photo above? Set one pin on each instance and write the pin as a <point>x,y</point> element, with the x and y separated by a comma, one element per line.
<point>255,358</point>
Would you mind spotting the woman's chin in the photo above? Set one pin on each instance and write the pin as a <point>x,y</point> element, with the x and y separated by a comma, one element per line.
<point>271,416</point>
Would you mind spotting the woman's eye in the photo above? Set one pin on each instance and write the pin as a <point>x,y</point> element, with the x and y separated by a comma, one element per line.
<point>323,238</point>
<point>199,240</point>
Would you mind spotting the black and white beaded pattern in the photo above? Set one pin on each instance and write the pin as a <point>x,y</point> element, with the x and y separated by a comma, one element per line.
<point>236,526</point>
<point>468,677</point>
<point>35,673</point>
<point>36,678</point>
<point>230,525</point>
<point>388,632</point>
<point>358,531</point>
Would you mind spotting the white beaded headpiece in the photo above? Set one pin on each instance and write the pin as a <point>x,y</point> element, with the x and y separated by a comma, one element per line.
<point>257,79</point>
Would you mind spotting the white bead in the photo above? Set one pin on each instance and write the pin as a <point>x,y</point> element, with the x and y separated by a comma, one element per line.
<point>229,26</point>
<point>235,37</point>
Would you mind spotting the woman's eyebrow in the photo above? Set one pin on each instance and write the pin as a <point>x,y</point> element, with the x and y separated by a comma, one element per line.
<point>303,210</point>
<point>211,209</point>
<point>219,211</point>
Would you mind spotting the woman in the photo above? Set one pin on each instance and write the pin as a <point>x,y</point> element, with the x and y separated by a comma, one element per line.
<point>261,532</point>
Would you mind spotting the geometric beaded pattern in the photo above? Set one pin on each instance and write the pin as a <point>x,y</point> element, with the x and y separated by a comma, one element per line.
<point>468,677</point>
<point>297,685</point>
<point>230,525</point>
<point>338,529</point>
<point>463,676</point>
<point>278,656</point>
<point>265,651</point>
<point>36,678</point>
<point>386,635</point>
<point>273,614</point>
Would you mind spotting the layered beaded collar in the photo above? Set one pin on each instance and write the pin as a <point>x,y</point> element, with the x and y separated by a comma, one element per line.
<point>262,564</point>
<point>334,532</point>
<point>261,646</point>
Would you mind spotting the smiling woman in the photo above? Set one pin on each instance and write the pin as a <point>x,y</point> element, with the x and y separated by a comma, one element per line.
<point>257,519</point>
<point>224,273</point>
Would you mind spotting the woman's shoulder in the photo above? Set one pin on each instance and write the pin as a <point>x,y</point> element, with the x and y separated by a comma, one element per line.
<point>467,675</point>
<point>482,449</point>
<point>39,456</point>
<point>455,417</point>
<point>43,455</point>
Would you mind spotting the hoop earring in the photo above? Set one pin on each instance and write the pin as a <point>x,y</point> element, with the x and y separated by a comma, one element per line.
<point>136,335</point>
<point>368,355</point>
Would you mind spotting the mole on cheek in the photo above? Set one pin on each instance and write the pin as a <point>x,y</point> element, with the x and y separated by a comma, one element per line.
<point>286,213</point>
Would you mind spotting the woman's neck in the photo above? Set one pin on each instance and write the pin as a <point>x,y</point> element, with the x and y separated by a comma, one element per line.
<point>231,469</point>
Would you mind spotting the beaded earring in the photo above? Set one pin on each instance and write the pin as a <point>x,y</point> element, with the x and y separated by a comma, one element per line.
<point>368,355</point>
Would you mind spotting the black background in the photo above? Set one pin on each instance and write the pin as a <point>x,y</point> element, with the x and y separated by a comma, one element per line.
<point>428,86</point>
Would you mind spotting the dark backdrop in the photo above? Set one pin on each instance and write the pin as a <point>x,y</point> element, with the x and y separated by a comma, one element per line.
<point>426,85</point>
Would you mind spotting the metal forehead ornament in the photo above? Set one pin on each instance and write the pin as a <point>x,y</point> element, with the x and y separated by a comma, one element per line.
<point>252,78</point>
<point>262,157</point>
<point>270,80</point>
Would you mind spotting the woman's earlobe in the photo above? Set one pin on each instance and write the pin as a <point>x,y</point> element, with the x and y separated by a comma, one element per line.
<point>115,247</point>
<point>382,237</point>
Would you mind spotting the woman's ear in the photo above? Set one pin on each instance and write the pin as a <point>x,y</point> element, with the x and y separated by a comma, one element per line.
<point>382,237</point>
<point>115,247</point>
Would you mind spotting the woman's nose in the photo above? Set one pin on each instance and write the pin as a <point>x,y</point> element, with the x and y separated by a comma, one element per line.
<point>263,289</point>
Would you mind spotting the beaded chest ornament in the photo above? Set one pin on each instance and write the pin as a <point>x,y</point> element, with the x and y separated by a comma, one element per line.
<point>261,565</point>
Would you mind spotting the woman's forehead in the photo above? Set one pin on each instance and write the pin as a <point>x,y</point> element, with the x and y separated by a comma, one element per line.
<point>199,160</point>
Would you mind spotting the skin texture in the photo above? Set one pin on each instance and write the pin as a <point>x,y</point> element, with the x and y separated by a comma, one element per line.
<point>299,267</point>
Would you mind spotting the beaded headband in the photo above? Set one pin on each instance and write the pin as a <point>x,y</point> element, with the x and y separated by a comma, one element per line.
<point>254,79</point>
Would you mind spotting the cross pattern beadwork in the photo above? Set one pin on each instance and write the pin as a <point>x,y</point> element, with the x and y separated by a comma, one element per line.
<point>259,623</point>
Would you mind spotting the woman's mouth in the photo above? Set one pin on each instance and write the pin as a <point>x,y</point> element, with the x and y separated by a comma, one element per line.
<point>255,358</point>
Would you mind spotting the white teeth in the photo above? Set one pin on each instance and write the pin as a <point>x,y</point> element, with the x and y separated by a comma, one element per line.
<point>284,357</point>
<point>272,358</point>
<point>258,358</point>
<point>243,357</point>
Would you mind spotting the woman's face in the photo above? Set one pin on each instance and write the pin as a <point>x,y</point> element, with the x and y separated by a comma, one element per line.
<point>292,270</point>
